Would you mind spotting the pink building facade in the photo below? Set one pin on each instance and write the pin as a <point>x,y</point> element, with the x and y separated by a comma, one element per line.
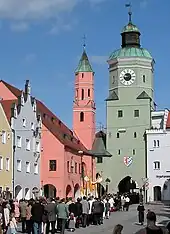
<point>65,156</point>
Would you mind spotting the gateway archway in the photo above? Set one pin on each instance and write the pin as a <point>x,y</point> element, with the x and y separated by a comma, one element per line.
<point>49,191</point>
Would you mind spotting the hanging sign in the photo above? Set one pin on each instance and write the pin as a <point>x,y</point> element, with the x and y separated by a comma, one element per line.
<point>128,161</point>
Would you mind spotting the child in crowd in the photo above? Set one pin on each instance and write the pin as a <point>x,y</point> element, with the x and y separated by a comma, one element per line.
<point>12,224</point>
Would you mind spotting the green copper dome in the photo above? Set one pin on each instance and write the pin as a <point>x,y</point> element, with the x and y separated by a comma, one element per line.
<point>84,64</point>
<point>130,52</point>
<point>130,28</point>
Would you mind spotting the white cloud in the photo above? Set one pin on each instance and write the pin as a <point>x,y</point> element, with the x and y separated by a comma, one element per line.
<point>19,26</point>
<point>34,9</point>
<point>61,25</point>
<point>98,59</point>
<point>29,58</point>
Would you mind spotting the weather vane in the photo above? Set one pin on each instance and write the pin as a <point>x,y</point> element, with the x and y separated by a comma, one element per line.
<point>129,5</point>
<point>84,41</point>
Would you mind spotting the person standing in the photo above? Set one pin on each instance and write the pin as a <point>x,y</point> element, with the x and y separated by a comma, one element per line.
<point>127,202</point>
<point>37,212</point>
<point>63,214</point>
<point>23,206</point>
<point>85,212</point>
<point>78,213</point>
<point>51,209</point>
<point>141,210</point>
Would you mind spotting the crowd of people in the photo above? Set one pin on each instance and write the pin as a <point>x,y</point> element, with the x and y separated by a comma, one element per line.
<point>50,215</point>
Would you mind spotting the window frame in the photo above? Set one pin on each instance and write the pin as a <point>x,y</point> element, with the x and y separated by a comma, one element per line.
<point>28,144</point>
<point>28,167</point>
<point>4,137</point>
<point>52,166</point>
<point>120,113</point>
<point>19,165</point>
<point>157,165</point>
<point>7,164</point>
<point>99,159</point>
<point>136,113</point>
<point>1,163</point>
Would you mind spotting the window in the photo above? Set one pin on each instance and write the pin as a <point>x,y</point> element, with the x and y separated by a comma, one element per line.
<point>24,122</point>
<point>118,135</point>
<point>82,94</point>
<point>68,166</point>
<point>157,165</point>
<point>120,113</point>
<point>76,168</point>
<point>3,137</point>
<point>156,143</point>
<point>27,167</point>
<point>81,116</point>
<point>144,79</point>
<point>136,113</point>
<point>99,160</point>
<point>32,126</point>
<point>134,151</point>
<point>79,168</point>
<point>135,135</point>
<point>35,168</point>
<point>1,163</point>
<point>37,147</point>
<point>28,144</point>
<point>52,165</point>
<point>18,165</point>
<point>7,164</point>
<point>19,141</point>
<point>119,152</point>
<point>88,93</point>
<point>82,75</point>
<point>113,79</point>
<point>76,93</point>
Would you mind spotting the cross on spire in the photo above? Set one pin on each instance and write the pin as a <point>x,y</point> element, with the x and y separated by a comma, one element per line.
<point>129,5</point>
<point>84,41</point>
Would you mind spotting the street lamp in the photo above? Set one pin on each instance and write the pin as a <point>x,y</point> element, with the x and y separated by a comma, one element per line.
<point>107,184</point>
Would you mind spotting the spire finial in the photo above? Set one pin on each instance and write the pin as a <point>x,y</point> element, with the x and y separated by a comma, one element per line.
<point>84,42</point>
<point>129,5</point>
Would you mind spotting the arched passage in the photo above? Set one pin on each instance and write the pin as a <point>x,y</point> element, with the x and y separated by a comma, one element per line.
<point>49,191</point>
<point>27,194</point>
<point>18,192</point>
<point>127,185</point>
<point>157,193</point>
<point>76,191</point>
<point>166,191</point>
<point>68,191</point>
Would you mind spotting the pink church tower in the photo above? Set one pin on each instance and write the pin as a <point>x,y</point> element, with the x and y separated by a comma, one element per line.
<point>84,105</point>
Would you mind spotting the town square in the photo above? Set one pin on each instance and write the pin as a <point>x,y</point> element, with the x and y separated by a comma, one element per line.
<point>84,117</point>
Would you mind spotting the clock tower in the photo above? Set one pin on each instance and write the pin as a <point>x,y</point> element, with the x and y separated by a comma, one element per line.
<point>129,105</point>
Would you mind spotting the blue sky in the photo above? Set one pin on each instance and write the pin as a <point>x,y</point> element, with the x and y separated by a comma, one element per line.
<point>41,40</point>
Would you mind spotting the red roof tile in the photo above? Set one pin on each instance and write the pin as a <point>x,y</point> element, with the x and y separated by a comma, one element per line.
<point>7,104</point>
<point>52,123</point>
<point>168,121</point>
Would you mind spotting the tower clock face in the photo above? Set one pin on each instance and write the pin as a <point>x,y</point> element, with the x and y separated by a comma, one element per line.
<point>127,77</point>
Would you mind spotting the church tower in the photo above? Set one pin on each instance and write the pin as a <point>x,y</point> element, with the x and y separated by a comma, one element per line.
<point>84,105</point>
<point>129,105</point>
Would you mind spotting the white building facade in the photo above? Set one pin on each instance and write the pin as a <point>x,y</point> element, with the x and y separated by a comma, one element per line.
<point>26,126</point>
<point>158,157</point>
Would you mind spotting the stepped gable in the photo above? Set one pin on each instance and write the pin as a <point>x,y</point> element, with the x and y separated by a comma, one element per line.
<point>51,122</point>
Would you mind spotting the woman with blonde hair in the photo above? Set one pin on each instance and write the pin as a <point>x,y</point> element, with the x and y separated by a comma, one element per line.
<point>118,229</point>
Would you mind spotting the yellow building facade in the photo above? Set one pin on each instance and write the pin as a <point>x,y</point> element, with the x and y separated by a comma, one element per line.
<point>6,155</point>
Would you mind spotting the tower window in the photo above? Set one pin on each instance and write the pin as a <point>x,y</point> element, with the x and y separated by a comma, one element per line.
<point>134,151</point>
<point>82,94</point>
<point>120,113</point>
<point>135,135</point>
<point>82,75</point>
<point>119,152</point>
<point>81,116</point>
<point>113,79</point>
<point>99,160</point>
<point>76,93</point>
<point>118,135</point>
<point>136,113</point>
<point>144,79</point>
<point>88,92</point>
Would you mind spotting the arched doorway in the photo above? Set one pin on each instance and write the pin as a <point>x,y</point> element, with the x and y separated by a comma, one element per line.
<point>76,191</point>
<point>68,191</point>
<point>49,191</point>
<point>27,194</point>
<point>157,193</point>
<point>18,192</point>
<point>166,191</point>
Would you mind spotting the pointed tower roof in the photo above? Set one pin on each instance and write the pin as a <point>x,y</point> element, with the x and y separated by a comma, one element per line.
<point>84,64</point>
